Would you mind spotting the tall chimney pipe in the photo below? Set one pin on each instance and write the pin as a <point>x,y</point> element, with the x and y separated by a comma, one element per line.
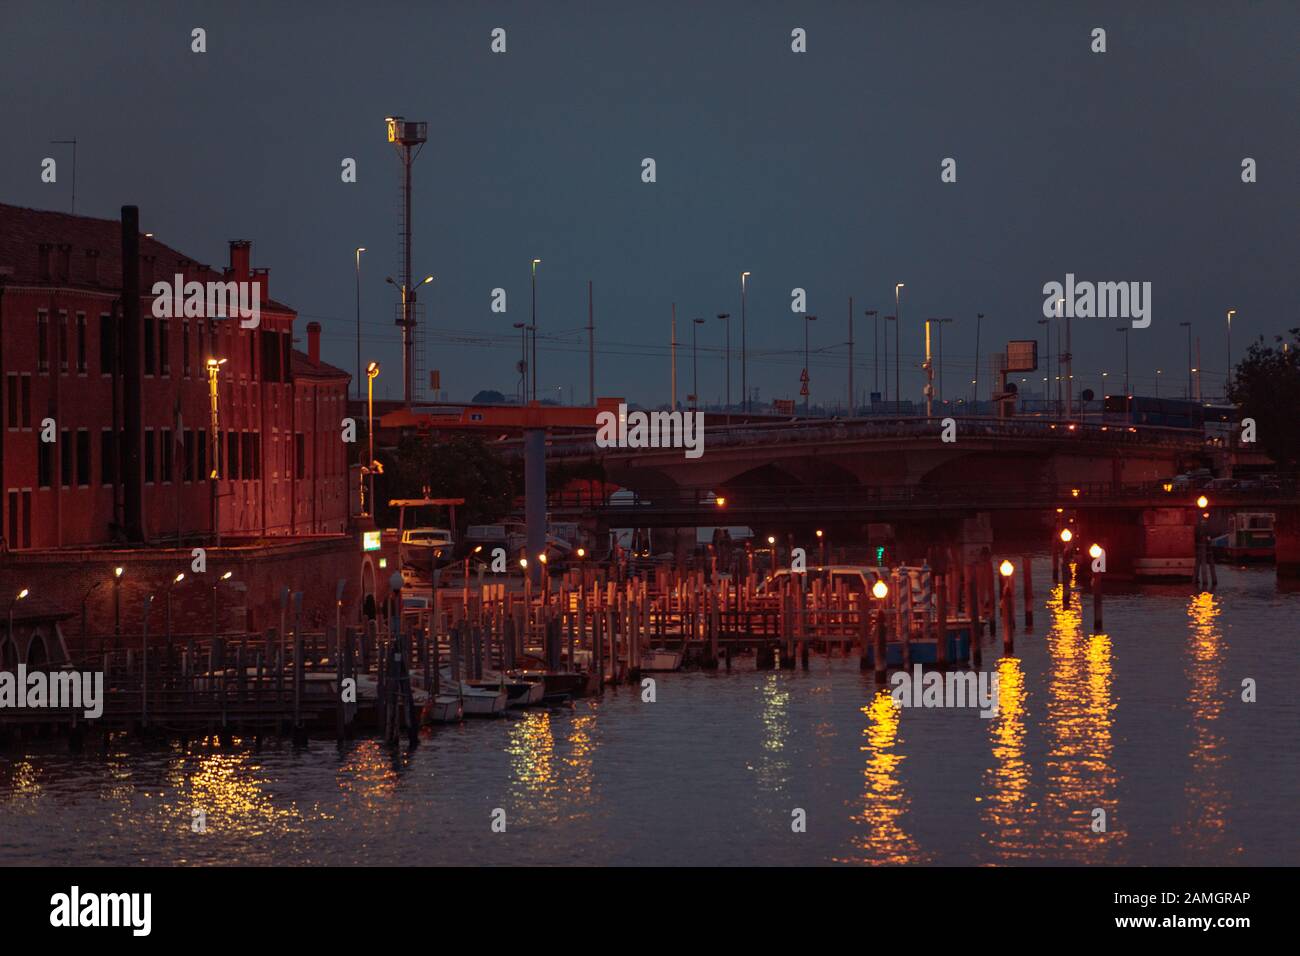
<point>132,399</point>
<point>313,343</point>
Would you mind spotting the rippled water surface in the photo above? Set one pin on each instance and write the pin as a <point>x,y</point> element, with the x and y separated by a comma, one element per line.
<point>1145,722</point>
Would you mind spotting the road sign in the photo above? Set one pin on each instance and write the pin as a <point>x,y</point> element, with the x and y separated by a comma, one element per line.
<point>1022,356</point>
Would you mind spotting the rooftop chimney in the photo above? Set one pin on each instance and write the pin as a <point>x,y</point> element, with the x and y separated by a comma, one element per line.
<point>240,252</point>
<point>313,343</point>
<point>263,279</point>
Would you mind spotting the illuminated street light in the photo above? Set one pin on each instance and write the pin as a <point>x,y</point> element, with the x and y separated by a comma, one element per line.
<point>1202,502</point>
<point>1006,568</point>
<point>1067,535</point>
<point>720,501</point>
<point>880,590</point>
<point>1095,551</point>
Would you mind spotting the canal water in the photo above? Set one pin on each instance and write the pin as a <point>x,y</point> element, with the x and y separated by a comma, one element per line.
<point>1145,722</point>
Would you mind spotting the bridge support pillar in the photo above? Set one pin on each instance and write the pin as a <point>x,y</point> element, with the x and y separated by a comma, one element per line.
<point>535,498</point>
<point>1286,527</point>
<point>1149,543</point>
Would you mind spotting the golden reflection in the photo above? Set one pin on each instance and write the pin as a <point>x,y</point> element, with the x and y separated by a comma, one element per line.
<point>229,789</point>
<point>19,780</point>
<point>1204,825</point>
<point>881,837</point>
<point>1007,807</point>
<point>773,765</point>
<point>1079,768</point>
<point>368,774</point>
<point>550,780</point>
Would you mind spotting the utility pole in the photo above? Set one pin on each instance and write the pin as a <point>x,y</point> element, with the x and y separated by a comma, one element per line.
<point>875,348</point>
<point>358,251</point>
<point>850,357</point>
<point>591,347</point>
<point>726,319</point>
<point>672,351</point>
<point>979,319</point>
<point>1188,326</point>
<point>534,325</point>
<point>744,352</point>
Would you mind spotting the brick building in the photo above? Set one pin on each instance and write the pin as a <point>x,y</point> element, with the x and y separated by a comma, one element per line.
<point>63,358</point>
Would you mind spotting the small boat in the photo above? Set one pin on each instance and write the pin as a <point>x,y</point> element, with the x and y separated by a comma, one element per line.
<point>1250,537</point>
<point>519,692</point>
<point>661,659</point>
<point>483,701</point>
<point>559,685</point>
<point>443,709</point>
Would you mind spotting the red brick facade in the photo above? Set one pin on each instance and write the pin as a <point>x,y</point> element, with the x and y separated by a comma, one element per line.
<point>282,462</point>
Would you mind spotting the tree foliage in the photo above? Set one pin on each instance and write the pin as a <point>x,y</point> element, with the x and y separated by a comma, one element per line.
<point>462,466</point>
<point>1266,385</point>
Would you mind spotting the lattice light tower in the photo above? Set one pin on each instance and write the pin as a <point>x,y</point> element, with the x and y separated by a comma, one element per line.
<point>408,138</point>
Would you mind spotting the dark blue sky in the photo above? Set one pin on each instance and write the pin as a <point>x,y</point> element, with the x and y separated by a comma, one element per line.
<point>817,170</point>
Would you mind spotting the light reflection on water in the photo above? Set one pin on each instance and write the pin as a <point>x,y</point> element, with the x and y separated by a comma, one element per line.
<point>1144,721</point>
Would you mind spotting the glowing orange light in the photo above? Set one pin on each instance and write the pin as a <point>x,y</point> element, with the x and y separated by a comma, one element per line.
<point>1202,502</point>
<point>1007,569</point>
<point>1095,551</point>
<point>1067,535</point>
<point>720,501</point>
<point>879,590</point>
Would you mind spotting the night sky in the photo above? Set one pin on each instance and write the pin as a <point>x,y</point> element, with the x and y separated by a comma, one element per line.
<point>818,170</point>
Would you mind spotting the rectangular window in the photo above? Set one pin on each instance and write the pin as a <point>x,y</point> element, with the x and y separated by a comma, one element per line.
<point>13,520</point>
<point>165,448</point>
<point>107,344</point>
<point>232,456</point>
<point>27,401</point>
<point>83,457</point>
<point>150,348</point>
<point>201,455</point>
<point>107,457</point>
<point>121,453</point>
<point>187,455</point>
<point>42,341</point>
<point>246,439</point>
<point>11,382</point>
<point>44,464</point>
<point>65,457</point>
<point>63,341</point>
<point>300,469</point>
<point>81,342</point>
<point>27,518</point>
<point>164,352</point>
<point>150,450</point>
<point>185,348</point>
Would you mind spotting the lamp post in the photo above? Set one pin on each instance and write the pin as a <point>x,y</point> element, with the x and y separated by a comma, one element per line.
<point>1047,353</point>
<point>875,348</point>
<point>1188,327</point>
<point>940,323</point>
<point>979,320</point>
<point>21,595</point>
<point>898,321</point>
<point>372,372</point>
<point>897,405</point>
<point>522,367</point>
<point>1228,378</point>
<point>850,413</point>
<point>1158,372</point>
<point>225,577</point>
<point>214,473</point>
<point>357,252</point>
<point>744,353</point>
<point>695,363</point>
<point>725,317</point>
<point>1123,329</point>
<point>807,385</point>
<point>533,323</point>
<point>117,606</point>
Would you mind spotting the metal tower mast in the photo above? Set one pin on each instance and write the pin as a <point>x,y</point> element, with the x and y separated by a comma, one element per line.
<point>408,138</point>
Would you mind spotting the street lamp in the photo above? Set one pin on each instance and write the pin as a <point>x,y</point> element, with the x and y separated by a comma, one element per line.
<point>533,323</point>
<point>372,372</point>
<point>898,319</point>
<point>940,323</point>
<point>725,317</point>
<point>357,252</point>
<point>1123,330</point>
<point>174,581</point>
<point>1228,378</point>
<point>875,347</point>
<point>1047,358</point>
<point>744,353</point>
<point>894,319</point>
<point>17,597</point>
<point>408,301</point>
<point>214,473</point>
<point>1188,326</point>
<point>225,577</point>
<point>807,383</point>
<point>695,362</point>
<point>117,606</point>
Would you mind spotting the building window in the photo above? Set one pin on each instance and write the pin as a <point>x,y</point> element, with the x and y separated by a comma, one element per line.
<point>13,520</point>
<point>232,455</point>
<point>27,518</point>
<point>201,455</point>
<point>107,457</point>
<point>300,469</point>
<point>63,341</point>
<point>27,401</point>
<point>83,457</point>
<point>42,341</point>
<point>187,455</point>
<point>65,457</point>
<point>150,451</point>
<point>185,351</point>
<point>81,342</point>
<point>44,464</point>
<point>107,344</point>
<point>150,348</point>
<point>164,353</point>
<point>165,447</point>
<point>248,456</point>
<point>11,403</point>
